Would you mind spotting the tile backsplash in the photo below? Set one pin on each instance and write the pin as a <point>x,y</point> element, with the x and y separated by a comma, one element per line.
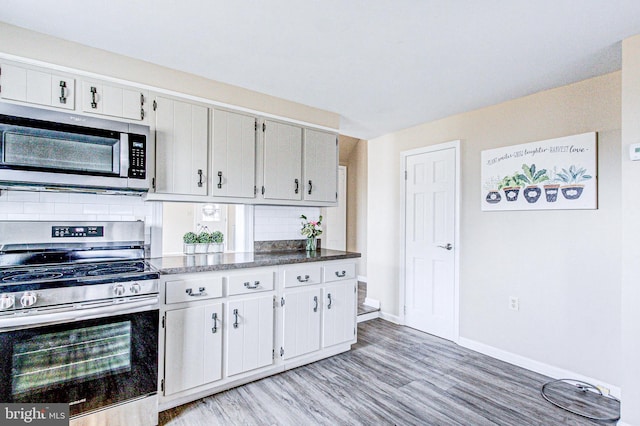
<point>274,223</point>
<point>25,205</point>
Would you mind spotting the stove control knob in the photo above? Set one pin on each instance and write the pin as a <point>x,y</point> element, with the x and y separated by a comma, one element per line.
<point>7,301</point>
<point>135,288</point>
<point>118,289</point>
<point>29,298</point>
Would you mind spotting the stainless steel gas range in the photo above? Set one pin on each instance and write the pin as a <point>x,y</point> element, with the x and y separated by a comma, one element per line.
<point>79,320</point>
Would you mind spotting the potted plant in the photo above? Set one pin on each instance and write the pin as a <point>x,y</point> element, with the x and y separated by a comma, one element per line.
<point>216,245</point>
<point>491,186</point>
<point>311,229</point>
<point>511,186</point>
<point>202,244</point>
<point>572,188</point>
<point>531,178</point>
<point>189,239</point>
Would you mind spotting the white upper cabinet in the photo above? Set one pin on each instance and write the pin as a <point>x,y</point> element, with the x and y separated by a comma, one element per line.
<point>36,86</point>
<point>181,147</point>
<point>113,100</point>
<point>234,155</point>
<point>282,176</point>
<point>320,165</point>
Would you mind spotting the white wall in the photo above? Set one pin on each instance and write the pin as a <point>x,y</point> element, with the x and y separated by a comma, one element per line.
<point>563,265</point>
<point>630,233</point>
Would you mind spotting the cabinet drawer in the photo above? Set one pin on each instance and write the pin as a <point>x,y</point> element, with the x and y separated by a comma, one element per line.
<point>340,271</point>
<point>302,275</point>
<point>250,282</point>
<point>193,289</point>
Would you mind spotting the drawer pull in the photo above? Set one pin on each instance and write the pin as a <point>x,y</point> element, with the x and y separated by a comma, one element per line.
<point>201,292</point>
<point>214,317</point>
<point>341,274</point>
<point>63,98</point>
<point>315,299</point>
<point>303,280</point>
<point>94,103</point>
<point>256,284</point>
<point>329,305</point>
<point>235,313</point>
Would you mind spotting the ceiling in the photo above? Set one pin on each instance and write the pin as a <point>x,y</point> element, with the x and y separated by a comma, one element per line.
<point>383,65</point>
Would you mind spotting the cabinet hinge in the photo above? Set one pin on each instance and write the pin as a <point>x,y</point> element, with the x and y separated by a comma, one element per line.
<point>282,301</point>
<point>263,190</point>
<point>153,183</point>
<point>264,127</point>
<point>354,331</point>
<point>405,175</point>
<point>162,385</point>
<point>141,99</point>
<point>155,105</point>
<point>255,190</point>
<point>281,351</point>
<point>273,354</point>
<point>163,321</point>
<point>255,127</point>
<point>405,309</point>
<point>336,141</point>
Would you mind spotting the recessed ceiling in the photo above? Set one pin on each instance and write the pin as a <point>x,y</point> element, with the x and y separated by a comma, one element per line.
<point>382,65</point>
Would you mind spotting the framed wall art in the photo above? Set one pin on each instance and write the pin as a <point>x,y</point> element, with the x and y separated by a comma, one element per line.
<point>553,174</point>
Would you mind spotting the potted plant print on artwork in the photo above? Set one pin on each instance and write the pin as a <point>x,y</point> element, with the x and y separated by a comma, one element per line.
<point>516,177</point>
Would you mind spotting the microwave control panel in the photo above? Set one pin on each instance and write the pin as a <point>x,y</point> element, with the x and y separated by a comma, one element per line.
<point>137,157</point>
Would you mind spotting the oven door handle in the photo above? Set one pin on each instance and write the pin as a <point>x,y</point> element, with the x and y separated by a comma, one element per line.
<point>78,312</point>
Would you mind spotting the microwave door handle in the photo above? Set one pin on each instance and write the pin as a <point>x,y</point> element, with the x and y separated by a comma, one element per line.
<point>124,155</point>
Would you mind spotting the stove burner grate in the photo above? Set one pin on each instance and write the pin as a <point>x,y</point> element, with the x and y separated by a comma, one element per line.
<point>32,276</point>
<point>114,270</point>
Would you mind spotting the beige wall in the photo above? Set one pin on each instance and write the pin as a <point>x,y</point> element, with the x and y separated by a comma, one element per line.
<point>29,44</point>
<point>357,203</point>
<point>630,233</point>
<point>563,265</point>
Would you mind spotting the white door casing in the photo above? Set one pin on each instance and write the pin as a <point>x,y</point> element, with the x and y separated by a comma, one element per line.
<point>430,190</point>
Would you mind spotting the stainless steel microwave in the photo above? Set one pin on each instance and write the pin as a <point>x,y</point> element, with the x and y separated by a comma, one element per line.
<point>44,149</point>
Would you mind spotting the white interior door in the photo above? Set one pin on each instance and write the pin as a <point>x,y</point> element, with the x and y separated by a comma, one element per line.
<point>430,203</point>
<point>335,218</point>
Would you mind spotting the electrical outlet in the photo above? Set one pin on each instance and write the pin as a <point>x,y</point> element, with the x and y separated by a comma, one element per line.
<point>514,303</point>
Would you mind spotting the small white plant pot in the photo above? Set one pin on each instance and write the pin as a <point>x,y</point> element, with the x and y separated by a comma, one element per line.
<point>201,247</point>
<point>189,248</point>
<point>216,247</point>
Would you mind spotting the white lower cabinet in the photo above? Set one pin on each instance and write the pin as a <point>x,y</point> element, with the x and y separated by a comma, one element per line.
<point>249,334</point>
<point>193,347</point>
<point>301,322</point>
<point>226,328</point>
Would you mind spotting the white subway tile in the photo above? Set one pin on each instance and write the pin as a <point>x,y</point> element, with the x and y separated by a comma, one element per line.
<point>84,198</point>
<point>22,216</point>
<point>11,208</point>
<point>95,209</point>
<point>67,208</point>
<point>119,209</point>
<point>4,216</point>
<point>23,196</point>
<point>54,197</point>
<point>39,208</point>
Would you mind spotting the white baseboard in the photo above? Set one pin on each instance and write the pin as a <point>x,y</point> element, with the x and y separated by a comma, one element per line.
<point>362,278</point>
<point>533,365</point>
<point>391,318</point>
<point>372,303</point>
<point>369,316</point>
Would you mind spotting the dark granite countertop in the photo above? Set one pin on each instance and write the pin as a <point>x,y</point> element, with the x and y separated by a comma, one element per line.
<point>225,261</point>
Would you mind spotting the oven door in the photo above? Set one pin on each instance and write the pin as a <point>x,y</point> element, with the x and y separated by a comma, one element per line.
<point>89,364</point>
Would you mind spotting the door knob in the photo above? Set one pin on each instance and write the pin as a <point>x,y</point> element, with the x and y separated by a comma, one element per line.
<point>447,247</point>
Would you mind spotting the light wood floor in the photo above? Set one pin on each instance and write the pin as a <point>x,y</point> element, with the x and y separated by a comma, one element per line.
<point>393,376</point>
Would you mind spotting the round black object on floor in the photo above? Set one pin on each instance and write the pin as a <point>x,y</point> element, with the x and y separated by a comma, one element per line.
<point>583,399</point>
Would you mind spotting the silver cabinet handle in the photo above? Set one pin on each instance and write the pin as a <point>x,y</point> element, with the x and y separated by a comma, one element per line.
<point>214,317</point>
<point>330,301</point>
<point>341,274</point>
<point>315,299</point>
<point>63,98</point>
<point>447,247</point>
<point>303,280</point>
<point>94,102</point>
<point>199,178</point>
<point>256,284</point>
<point>201,292</point>
<point>235,313</point>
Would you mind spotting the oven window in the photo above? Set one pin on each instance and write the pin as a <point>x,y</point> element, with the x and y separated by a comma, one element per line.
<point>75,355</point>
<point>52,149</point>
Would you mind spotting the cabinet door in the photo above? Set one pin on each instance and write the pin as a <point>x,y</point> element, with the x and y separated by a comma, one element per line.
<point>282,161</point>
<point>37,87</point>
<point>320,163</point>
<point>234,155</point>
<point>181,147</point>
<point>301,322</point>
<point>339,313</point>
<point>249,328</point>
<point>193,347</point>
<point>114,101</point>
